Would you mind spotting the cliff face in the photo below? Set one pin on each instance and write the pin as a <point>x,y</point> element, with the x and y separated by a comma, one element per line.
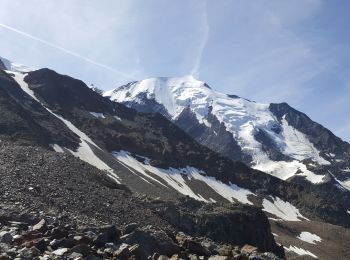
<point>226,223</point>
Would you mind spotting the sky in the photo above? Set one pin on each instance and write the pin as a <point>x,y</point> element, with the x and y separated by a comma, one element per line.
<point>294,51</point>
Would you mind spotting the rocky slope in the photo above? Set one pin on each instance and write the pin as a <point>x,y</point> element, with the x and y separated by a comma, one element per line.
<point>76,199</point>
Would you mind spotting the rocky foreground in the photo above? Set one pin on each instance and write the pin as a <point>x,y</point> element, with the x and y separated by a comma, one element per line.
<point>54,206</point>
<point>42,236</point>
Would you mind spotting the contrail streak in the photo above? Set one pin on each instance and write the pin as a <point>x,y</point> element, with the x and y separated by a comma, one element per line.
<point>205,30</point>
<point>65,50</point>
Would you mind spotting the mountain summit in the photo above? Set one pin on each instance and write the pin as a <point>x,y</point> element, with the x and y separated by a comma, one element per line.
<point>274,138</point>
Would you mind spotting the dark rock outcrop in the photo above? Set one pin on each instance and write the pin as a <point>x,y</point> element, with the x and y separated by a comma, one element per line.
<point>225,223</point>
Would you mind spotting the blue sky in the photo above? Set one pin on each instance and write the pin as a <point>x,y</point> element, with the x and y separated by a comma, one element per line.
<point>296,51</point>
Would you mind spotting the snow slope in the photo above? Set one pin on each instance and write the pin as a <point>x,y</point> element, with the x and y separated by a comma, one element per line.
<point>177,179</point>
<point>300,251</point>
<point>309,237</point>
<point>84,151</point>
<point>15,67</point>
<point>241,117</point>
<point>282,209</point>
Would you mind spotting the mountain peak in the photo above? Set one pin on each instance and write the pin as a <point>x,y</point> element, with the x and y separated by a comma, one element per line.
<point>174,93</point>
<point>269,138</point>
<point>6,64</point>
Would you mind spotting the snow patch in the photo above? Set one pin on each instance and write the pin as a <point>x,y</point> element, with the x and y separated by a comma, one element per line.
<point>84,151</point>
<point>282,209</point>
<point>57,148</point>
<point>285,170</point>
<point>309,237</point>
<point>97,115</point>
<point>343,184</point>
<point>300,251</point>
<point>176,178</point>
<point>298,146</point>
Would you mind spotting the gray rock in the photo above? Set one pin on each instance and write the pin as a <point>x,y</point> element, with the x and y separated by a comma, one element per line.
<point>83,239</point>
<point>108,251</point>
<point>192,257</point>
<point>248,249</point>
<point>218,257</point>
<point>196,247</point>
<point>35,251</point>
<point>108,234</point>
<point>41,244</point>
<point>152,241</point>
<point>225,250</point>
<point>75,256</point>
<point>25,253</point>
<point>122,253</point>
<point>129,228</point>
<point>6,237</point>
<point>81,249</point>
<point>163,257</point>
<point>60,251</point>
<point>40,226</point>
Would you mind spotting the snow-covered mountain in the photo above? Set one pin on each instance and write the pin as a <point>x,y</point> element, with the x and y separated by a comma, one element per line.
<point>148,154</point>
<point>273,138</point>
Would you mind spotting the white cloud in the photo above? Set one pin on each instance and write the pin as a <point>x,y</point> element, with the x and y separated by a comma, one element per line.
<point>205,34</point>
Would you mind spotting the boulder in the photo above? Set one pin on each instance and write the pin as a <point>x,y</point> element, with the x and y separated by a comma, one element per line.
<point>82,249</point>
<point>196,247</point>
<point>40,244</point>
<point>82,240</point>
<point>151,241</point>
<point>129,228</point>
<point>57,232</point>
<point>107,234</point>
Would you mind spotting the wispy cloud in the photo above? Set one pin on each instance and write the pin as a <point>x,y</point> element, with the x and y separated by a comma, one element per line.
<point>203,43</point>
<point>60,48</point>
